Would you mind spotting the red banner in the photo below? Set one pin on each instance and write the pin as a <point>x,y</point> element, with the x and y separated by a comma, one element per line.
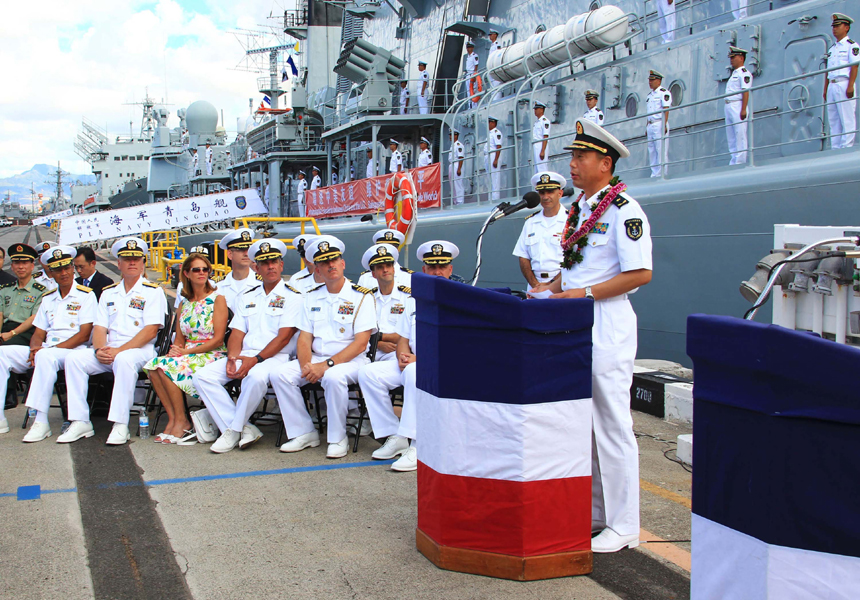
<point>368,195</point>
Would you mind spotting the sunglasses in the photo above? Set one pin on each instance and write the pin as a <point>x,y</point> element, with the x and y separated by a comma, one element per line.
<point>199,269</point>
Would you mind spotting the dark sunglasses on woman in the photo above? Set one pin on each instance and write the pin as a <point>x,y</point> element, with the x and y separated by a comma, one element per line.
<point>199,269</point>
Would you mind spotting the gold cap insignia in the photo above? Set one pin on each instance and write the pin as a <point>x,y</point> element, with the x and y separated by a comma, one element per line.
<point>264,247</point>
<point>388,236</point>
<point>544,178</point>
<point>436,249</point>
<point>323,247</point>
<point>246,236</point>
<point>382,251</point>
<point>58,253</point>
<point>20,249</point>
<point>131,244</point>
<point>579,129</point>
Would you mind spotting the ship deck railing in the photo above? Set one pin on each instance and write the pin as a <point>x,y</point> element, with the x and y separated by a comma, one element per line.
<point>688,7</point>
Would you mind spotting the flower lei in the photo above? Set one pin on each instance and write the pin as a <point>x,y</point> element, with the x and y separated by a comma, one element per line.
<point>575,237</point>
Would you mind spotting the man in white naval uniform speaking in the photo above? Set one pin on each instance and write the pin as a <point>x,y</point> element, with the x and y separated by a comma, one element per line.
<point>615,260</point>
<point>130,313</point>
<point>64,322</point>
<point>261,341</point>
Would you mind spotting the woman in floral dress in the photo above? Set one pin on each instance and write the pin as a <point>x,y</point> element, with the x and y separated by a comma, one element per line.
<point>200,328</point>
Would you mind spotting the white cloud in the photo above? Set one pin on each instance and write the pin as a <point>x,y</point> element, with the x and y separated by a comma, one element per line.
<point>86,58</point>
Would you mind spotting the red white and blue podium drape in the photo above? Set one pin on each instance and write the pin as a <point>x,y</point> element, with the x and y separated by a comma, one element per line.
<point>776,477</point>
<point>504,420</point>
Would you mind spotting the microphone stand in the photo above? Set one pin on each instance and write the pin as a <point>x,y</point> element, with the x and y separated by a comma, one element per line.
<point>474,281</point>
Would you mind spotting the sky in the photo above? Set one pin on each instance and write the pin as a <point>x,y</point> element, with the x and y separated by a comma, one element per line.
<point>86,58</point>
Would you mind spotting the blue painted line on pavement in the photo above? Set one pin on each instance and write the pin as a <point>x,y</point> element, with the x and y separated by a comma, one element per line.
<point>34,492</point>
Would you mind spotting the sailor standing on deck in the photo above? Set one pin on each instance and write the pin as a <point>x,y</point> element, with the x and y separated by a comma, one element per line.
<point>666,12</point>
<point>474,85</point>
<point>593,114</point>
<point>495,46</point>
<point>370,169</point>
<point>737,113</point>
<point>425,157</point>
<point>739,9</point>
<point>404,97</point>
<point>540,138</point>
<point>316,182</point>
<point>839,89</point>
<point>657,125</point>
<point>402,275</point>
<point>396,164</point>
<point>455,167</point>
<point>539,244</point>
<point>423,88</point>
<point>239,279</point>
<point>614,260</point>
<point>208,159</point>
<point>300,194</point>
<point>494,159</point>
<point>194,161</point>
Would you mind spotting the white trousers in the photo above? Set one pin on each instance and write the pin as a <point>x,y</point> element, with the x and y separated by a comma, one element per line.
<point>666,14</point>
<point>456,184</point>
<point>739,9</point>
<point>736,132</point>
<point>377,379</point>
<point>658,147</point>
<point>49,361</point>
<point>210,382</point>
<point>495,178</point>
<point>208,168</point>
<point>615,455</point>
<point>334,382</point>
<point>301,204</point>
<point>82,362</point>
<point>423,104</point>
<point>13,359</point>
<point>842,114</point>
<point>541,164</point>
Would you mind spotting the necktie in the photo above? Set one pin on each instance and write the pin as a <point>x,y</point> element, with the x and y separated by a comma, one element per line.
<point>86,283</point>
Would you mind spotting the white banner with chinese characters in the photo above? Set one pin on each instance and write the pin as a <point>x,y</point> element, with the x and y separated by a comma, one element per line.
<point>160,216</point>
<point>52,217</point>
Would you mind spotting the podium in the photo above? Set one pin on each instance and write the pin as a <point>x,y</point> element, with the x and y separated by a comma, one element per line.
<point>776,454</point>
<point>504,431</point>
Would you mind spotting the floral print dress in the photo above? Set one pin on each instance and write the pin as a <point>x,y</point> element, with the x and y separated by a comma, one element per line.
<point>196,321</point>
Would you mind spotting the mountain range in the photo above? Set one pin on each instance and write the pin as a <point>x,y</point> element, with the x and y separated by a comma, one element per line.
<point>39,176</point>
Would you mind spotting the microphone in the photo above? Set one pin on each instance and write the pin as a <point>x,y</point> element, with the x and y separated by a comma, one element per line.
<point>568,191</point>
<point>530,200</point>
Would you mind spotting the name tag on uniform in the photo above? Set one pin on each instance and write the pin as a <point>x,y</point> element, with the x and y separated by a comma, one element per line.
<point>137,303</point>
<point>110,304</point>
<point>345,309</point>
<point>73,307</point>
<point>601,228</point>
<point>252,305</point>
<point>316,308</point>
<point>397,309</point>
<point>276,302</point>
<point>530,235</point>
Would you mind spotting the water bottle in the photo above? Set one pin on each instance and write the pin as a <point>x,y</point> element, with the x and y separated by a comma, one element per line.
<point>143,425</point>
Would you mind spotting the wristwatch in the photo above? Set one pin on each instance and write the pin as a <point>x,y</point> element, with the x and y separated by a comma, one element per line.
<point>588,293</point>
<point>329,362</point>
<point>259,358</point>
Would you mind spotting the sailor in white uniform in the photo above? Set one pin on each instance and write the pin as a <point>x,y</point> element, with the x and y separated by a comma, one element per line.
<point>334,176</point>
<point>657,124</point>
<point>261,342</point>
<point>455,167</point>
<point>240,279</point>
<point>336,325</point>
<point>737,113</point>
<point>666,13</point>
<point>129,316</point>
<point>614,261</point>
<point>404,97</point>
<point>64,322</point>
<point>378,378</point>
<point>739,9</point>
<point>370,169</point>
<point>402,275</point>
<point>389,297</point>
<point>396,163</point>
<point>495,46</point>
<point>44,276</point>
<point>493,159</point>
<point>540,138</point>
<point>307,277</point>
<point>593,114</point>
<point>472,62</point>
<point>208,159</point>
<point>425,157</point>
<point>839,85</point>
<point>539,244</point>
<point>194,161</point>
<point>300,193</point>
<point>316,182</point>
<point>423,93</point>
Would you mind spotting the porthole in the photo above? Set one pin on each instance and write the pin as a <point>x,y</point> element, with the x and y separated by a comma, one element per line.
<point>677,91</point>
<point>594,5</point>
<point>631,105</point>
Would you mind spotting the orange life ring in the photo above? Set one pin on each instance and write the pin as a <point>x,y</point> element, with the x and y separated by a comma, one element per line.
<point>400,191</point>
<point>476,87</point>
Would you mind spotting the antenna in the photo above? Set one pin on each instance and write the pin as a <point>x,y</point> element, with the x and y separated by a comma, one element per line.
<point>148,123</point>
<point>58,178</point>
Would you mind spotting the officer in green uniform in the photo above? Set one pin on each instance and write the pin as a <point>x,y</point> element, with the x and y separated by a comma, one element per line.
<point>20,301</point>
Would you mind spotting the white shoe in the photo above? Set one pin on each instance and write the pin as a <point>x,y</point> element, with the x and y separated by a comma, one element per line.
<point>38,432</point>
<point>4,426</point>
<point>609,541</point>
<point>250,436</point>
<point>119,435</point>
<point>338,449</point>
<point>76,431</point>
<point>407,462</point>
<point>394,446</point>
<point>226,442</point>
<point>297,444</point>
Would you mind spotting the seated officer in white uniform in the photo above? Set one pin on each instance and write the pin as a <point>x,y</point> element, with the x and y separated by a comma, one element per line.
<point>261,341</point>
<point>337,322</point>
<point>130,313</point>
<point>307,278</point>
<point>64,322</point>
<point>539,244</point>
<point>402,275</point>
<point>240,278</point>
<point>389,298</point>
<point>299,242</point>
<point>615,260</point>
<point>378,378</point>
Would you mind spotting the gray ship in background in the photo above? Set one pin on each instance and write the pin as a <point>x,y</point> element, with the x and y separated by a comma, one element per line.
<point>711,222</point>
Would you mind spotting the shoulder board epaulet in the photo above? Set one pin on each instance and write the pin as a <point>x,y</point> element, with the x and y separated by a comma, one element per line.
<point>532,215</point>
<point>410,271</point>
<point>38,274</point>
<point>39,286</point>
<point>304,276</point>
<point>6,285</point>
<point>621,201</point>
<point>363,273</point>
<point>322,285</point>
<point>258,277</point>
<point>292,289</point>
<point>850,41</point>
<point>249,290</point>
<point>83,288</point>
<point>51,292</point>
<point>150,284</point>
<point>374,290</point>
<point>360,289</point>
<point>405,289</point>
<point>744,69</point>
<point>662,89</point>
<point>107,287</point>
